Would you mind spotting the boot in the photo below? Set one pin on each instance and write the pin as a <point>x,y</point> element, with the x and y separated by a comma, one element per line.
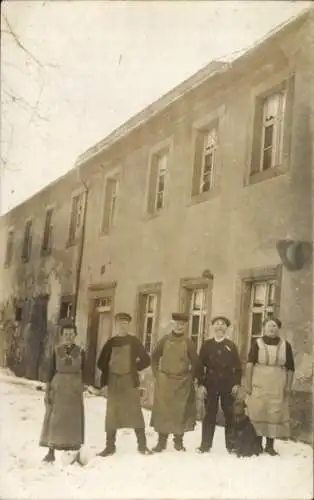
<point>178,442</point>
<point>110,448</point>
<point>162,443</point>
<point>50,457</point>
<point>270,447</point>
<point>141,442</point>
<point>204,448</point>
<point>259,446</point>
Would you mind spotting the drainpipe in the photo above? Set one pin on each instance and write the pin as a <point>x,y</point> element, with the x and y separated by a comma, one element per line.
<point>81,249</point>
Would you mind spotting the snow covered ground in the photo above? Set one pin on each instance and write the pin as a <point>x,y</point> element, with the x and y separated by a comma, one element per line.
<point>130,475</point>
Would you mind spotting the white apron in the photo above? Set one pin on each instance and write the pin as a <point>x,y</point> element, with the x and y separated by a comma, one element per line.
<point>268,407</point>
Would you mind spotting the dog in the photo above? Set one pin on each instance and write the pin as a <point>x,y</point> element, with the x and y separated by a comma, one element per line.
<point>244,435</point>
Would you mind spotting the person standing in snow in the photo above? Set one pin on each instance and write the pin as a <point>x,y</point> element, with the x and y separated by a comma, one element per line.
<point>270,371</point>
<point>220,371</point>
<point>120,360</point>
<point>63,427</point>
<point>174,366</point>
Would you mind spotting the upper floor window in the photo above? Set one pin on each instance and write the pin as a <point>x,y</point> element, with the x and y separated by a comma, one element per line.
<point>110,204</point>
<point>272,130</point>
<point>27,241</point>
<point>158,181</point>
<point>205,160</point>
<point>46,245</point>
<point>9,248</point>
<point>76,218</point>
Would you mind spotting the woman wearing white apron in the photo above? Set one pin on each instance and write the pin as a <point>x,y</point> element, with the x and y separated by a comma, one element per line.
<point>270,372</point>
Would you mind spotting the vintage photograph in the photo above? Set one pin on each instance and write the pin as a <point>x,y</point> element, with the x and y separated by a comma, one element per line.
<point>156,257</point>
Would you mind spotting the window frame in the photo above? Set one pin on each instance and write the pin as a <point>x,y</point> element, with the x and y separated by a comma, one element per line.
<point>68,299</point>
<point>160,149</point>
<point>108,221</point>
<point>143,292</point>
<point>246,278</point>
<point>9,250</point>
<point>73,238</point>
<point>46,250</point>
<point>27,251</point>
<point>278,126</point>
<point>280,83</point>
<point>187,287</point>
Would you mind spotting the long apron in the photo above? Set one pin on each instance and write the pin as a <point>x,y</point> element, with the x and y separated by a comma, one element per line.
<point>268,407</point>
<point>174,407</point>
<point>63,426</point>
<point>123,401</point>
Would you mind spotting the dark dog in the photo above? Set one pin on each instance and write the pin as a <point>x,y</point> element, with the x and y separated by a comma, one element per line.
<point>244,435</point>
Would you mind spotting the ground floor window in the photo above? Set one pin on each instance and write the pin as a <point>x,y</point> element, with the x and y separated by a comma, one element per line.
<point>148,314</point>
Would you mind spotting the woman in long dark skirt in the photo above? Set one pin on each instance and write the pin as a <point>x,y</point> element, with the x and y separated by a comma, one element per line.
<point>63,427</point>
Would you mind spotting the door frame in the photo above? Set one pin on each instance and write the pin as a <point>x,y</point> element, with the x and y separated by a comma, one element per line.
<point>95,292</point>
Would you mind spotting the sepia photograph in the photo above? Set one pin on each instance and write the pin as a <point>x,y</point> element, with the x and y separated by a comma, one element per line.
<point>156,250</point>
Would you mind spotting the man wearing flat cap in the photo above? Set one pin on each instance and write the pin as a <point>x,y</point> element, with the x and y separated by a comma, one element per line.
<point>174,366</point>
<point>120,360</point>
<point>220,371</point>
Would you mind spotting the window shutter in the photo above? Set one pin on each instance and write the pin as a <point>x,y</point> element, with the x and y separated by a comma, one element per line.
<point>288,119</point>
<point>141,312</point>
<point>257,136</point>
<point>197,167</point>
<point>152,185</point>
<point>107,205</point>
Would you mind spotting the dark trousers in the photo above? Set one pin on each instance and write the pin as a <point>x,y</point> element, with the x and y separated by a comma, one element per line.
<point>209,421</point>
<point>140,436</point>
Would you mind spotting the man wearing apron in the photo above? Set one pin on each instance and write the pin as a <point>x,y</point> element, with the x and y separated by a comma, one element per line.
<point>174,365</point>
<point>120,360</point>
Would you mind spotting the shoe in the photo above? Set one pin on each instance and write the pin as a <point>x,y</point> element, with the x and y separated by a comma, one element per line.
<point>203,449</point>
<point>107,452</point>
<point>159,448</point>
<point>179,447</point>
<point>145,451</point>
<point>271,451</point>
<point>49,458</point>
<point>231,450</point>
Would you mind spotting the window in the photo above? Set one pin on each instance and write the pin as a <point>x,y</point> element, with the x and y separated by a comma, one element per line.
<point>198,312</point>
<point>66,308</point>
<point>272,131</point>
<point>18,314</point>
<point>76,217</point>
<point>27,241</point>
<point>110,204</point>
<point>195,300</point>
<point>9,248</point>
<point>157,181</point>
<point>46,246</point>
<point>262,304</point>
<point>205,160</point>
<point>260,299</point>
<point>148,313</point>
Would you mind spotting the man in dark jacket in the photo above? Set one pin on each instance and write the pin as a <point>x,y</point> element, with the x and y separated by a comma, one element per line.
<point>174,365</point>
<point>120,360</point>
<point>220,371</point>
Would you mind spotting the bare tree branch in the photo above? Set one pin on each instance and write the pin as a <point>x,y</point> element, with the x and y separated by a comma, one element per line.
<point>18,41</point>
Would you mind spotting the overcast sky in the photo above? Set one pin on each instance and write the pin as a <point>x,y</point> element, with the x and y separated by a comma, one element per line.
<point>99,63</point>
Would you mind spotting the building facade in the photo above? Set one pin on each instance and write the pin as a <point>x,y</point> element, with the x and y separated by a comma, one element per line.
<point>201,203</point>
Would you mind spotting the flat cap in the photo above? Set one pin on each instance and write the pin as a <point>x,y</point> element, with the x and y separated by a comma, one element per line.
<point>177,316</point>
<point>123,316</point>
<point>221,318</point>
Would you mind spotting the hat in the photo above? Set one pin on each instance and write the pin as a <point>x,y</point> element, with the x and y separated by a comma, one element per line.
<point>177,316</point>
<point>222,318</point>
<point>123,316</point>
